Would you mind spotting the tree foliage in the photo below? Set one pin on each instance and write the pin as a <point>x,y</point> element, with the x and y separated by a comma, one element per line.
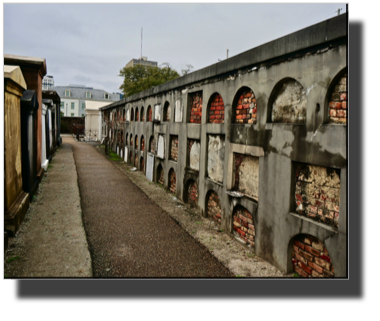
<point>139,78</point>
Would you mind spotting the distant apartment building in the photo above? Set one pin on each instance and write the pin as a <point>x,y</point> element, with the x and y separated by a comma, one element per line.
<point>74,97</point>
<point>143,61</point>
<point>47,82</point>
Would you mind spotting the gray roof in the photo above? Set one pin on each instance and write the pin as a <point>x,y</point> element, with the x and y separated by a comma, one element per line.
<point>80,93</point>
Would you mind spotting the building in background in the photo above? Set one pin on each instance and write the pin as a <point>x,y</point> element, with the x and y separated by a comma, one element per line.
<point>143,61</point>
<point>47,82</point>
<point>74,97</point>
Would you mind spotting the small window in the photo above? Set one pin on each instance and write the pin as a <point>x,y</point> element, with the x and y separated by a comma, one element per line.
<point>88,94</point>
<point>83,106</point>
<point>72,114</point>
<point>82,115</point>
<point>67,93</point>
<point>72,105</point>
<point>62,105</point>
<point>106,96</point>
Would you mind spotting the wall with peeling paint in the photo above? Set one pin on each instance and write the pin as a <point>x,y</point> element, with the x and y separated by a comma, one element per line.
<point>291,81</point>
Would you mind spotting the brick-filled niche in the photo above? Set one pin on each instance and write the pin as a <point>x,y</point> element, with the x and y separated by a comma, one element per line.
<point>243,225</point>
<point>317,193</point>
<point>173,148</point>
<point>195,103</point>
<point>216,109</point>
<point>310,257</point>
<point>245,107</point>
<point>338,101</point>
<point>213,206</point>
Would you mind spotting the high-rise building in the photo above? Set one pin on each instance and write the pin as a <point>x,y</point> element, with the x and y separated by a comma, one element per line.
<point>143,61</point>
<point>47,82</point>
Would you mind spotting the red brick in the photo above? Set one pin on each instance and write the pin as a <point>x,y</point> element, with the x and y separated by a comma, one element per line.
<point>341,113</point>
<point>314,274</point>
<point>323,263</point>
<point>299,197</point>
<point>335,105</point>
<point>325,257</point>
<point>241,232</point>
<point>311,250</point>
<point>295,248</point>
<point>343,96</point>
<point>299,244</point>
<point>344,105</point>
<point>304,267</point>
<point>243,218</point>
<point>328,274</point>
<point>315,267</point>
<point>236,219</point>
<point>300,258</point>
<point>306,255</point>
<point>300,272</point>
<point>251,226</point>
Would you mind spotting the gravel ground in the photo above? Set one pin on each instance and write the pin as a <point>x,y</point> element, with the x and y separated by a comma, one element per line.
<point>239,259</point>
<point>129,235</point>
<point>51,241</point>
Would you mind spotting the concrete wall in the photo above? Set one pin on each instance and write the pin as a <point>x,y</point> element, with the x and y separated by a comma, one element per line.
<point>276,104</point>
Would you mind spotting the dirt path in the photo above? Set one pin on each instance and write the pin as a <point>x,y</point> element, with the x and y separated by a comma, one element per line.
<point>51,241</point>
<point>129,235</point>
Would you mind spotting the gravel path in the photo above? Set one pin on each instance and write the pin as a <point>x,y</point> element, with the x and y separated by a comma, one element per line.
<point>129,235</point>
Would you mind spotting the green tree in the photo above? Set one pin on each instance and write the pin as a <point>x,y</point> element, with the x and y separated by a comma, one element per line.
<point>139,78</point>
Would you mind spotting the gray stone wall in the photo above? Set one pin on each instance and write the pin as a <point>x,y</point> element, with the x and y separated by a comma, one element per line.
<point>292,81</point>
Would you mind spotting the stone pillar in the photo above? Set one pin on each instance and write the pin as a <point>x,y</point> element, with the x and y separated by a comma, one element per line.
<point>16,201</point>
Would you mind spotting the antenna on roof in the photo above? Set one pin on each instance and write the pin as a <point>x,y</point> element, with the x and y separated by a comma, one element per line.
<point>141,42</point>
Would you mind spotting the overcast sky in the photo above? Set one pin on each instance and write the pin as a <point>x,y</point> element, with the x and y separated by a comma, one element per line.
<point>89,43</point>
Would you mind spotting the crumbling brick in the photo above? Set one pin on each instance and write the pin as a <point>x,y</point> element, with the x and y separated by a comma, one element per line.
<point>160,175</point>
<point>172,181</point>
<point>243,232</point>
<point>150,113</point>
<point>216,110</point>
<point>196,107</point>
<point>246,107</point>
<point>214,209</point>
<point>174,148</point>
<point>192,194</point>
<point>142,143</point>
<point>142,114</point>
<point>137,115</point>
<point>338,102</point>
<point>311,262</point>
<point>167,112</point>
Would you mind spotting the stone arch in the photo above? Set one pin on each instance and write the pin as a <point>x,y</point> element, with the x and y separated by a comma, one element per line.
<point>137,114</point>
<point>191,193</point>
<point>167,111</point>
<point>215,109</point>
<point>336,99</point>
<point>152,144</point>
<point>287,102</point>
<point>130,157</point>
<point>142,144</point>
<point>160,175</point>
<point>172,181</point>
<point>309,257</point>
<point>126,140</point>
<point>142,164</point>
<point>149,115</point>
<point>142,114</point>
<point>131,140</point>
<point>136,142</point>
<point>244,107</point>
<point>213,206</point>
<point>132,115</point>
<point>243,225</point>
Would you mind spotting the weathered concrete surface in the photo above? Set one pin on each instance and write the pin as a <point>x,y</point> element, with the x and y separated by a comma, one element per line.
<point>128,234</point>
<point>249,176</point>
<point>51,241</point>
<point>195,151</point>
<point>215,161</point>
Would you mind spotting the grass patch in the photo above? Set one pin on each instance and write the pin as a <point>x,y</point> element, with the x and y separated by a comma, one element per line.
<point>13,258</point>
<point>240,276</point>
<point>115,157</point>
<point>250,255</point>
<point>295,275</point>
<point>198,223</point>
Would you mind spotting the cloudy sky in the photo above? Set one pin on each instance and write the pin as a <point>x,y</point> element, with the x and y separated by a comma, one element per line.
<point>89,43</point>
